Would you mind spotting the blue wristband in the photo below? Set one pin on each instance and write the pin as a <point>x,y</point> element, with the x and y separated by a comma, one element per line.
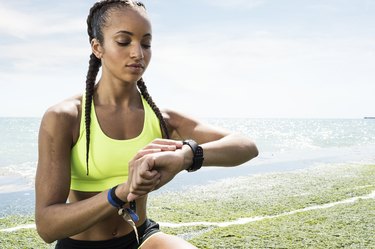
<point>113,199</point>
<point>133,215</point>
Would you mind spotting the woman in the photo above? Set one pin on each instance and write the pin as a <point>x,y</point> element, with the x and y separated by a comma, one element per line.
<point>101,153</point>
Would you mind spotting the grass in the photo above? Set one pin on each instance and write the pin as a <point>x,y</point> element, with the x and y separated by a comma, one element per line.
<point>266,194</point>
<point>342,226</point>
<point>349,225</point>
<point>22,239</point>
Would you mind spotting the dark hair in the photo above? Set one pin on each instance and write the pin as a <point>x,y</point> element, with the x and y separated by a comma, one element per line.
<point>97,19</point>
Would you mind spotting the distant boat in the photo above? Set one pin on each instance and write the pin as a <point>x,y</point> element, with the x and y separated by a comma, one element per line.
<point>369,117</point>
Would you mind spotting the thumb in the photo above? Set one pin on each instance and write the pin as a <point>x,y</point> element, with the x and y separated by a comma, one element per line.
<point>149,163</point>
<point>132,197</point>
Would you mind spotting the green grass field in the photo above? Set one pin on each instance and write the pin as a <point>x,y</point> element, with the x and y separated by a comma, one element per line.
<point>281,201</point>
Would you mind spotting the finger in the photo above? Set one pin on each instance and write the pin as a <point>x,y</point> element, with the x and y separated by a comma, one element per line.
<point>168,147</point>
<point>160,141</point>
<point>144,179</point>
<point>147,164</point>
<point>143,190</point>
<point>150,174</point>
<point>144,184</point>
<point>162,147</point>
<point>144,152</point>
<point>132,197</point>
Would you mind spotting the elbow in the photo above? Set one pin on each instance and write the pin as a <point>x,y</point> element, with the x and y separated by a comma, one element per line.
<point>45,236</point>
<point>44,232</point>
<point>253,150</point>
<point>250,151</point>
<point>247,151</point>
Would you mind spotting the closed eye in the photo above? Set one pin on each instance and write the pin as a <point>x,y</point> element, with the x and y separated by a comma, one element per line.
<point>123,44</point>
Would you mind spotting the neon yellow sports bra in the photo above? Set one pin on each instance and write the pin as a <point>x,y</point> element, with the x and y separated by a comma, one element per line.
<point>108,158</point>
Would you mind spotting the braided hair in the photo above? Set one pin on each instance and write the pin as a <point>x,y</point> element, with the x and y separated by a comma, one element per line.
<point>96,20</point>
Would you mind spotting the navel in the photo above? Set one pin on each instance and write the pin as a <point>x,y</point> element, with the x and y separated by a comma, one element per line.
<point>115,232</point>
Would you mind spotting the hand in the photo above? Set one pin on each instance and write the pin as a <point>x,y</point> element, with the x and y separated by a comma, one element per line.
<point>142,178</point>
<point>168,165</point>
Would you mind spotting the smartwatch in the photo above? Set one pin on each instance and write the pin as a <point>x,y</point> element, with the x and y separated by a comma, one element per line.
<point>197,155</point>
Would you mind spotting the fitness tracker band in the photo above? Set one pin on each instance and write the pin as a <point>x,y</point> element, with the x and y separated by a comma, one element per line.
<point>197,155</point>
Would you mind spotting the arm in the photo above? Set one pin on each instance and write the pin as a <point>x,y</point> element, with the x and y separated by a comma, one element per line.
<point>55,219</point>
<point>221,147</point>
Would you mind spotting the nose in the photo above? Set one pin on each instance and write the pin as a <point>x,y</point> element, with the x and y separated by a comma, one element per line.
<point>137,52</point>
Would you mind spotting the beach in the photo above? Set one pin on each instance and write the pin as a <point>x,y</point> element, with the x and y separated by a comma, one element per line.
<point>312,186</point>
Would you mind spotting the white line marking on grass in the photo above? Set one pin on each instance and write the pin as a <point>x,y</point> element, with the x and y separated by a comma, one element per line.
<point>13,229</point>
<point>240,221</point>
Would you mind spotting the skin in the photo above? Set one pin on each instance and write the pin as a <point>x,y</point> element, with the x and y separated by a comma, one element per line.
<point>118,106</point>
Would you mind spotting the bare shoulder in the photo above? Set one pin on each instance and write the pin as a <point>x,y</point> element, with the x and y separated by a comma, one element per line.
<point>183,126</point>
<point>68,105</point>
<point>63,116</point>
<point>177,119</point>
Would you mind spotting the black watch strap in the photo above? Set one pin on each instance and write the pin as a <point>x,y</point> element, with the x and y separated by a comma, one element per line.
<point>197,155</point>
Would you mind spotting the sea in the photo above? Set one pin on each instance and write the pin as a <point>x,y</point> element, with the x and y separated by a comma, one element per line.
<point>284,145</point>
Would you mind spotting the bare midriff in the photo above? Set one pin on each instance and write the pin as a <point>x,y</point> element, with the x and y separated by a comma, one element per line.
<point>114,226</point>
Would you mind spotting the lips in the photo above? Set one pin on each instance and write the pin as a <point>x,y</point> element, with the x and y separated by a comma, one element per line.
<point>136,66</point>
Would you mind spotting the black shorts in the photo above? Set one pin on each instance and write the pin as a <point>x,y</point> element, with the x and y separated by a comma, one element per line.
<point>148,228</point>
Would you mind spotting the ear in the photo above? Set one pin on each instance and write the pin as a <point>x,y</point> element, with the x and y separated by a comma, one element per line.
<point>96,48</point>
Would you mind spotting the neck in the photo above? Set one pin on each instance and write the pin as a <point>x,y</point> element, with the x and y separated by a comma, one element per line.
<point>116,93</point>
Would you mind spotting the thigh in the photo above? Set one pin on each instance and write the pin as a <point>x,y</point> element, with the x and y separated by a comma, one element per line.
<point>165,241</point>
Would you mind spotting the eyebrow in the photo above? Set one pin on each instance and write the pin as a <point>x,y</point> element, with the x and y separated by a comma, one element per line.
<point>131,34</point>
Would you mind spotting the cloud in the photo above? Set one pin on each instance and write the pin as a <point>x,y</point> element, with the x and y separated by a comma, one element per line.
<point>39,56</point>
<point>23,23</point>
<point>36,40</point>
<point>264,70</point>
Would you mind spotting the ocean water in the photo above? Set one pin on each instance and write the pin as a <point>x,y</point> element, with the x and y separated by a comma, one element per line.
<point>284,144</point>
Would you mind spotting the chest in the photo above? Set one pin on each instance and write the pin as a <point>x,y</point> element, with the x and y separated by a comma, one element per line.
<point>120,124</point>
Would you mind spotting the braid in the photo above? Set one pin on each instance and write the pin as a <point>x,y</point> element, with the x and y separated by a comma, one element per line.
<point>96,20</point>
<point>142,87</point>
<point>94,65</point>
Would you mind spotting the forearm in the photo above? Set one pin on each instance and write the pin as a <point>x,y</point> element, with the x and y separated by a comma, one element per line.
<point>59,221</point>
<point>231,150</point>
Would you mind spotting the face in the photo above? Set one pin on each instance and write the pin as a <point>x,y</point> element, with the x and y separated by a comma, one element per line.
<point>126,50</point>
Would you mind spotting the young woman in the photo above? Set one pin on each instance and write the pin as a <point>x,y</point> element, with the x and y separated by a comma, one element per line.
<point>102,152</point>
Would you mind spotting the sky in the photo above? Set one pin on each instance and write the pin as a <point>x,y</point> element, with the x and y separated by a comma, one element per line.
<point>211,58</point>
